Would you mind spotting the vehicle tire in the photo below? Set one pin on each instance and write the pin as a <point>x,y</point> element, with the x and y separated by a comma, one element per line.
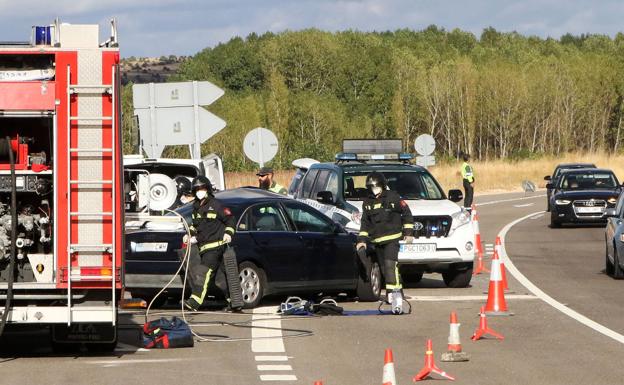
<point>609,267</point>
<point>554,223</point>
<point>411,276</point>
<point>618,273</point>
<point>371,289</point>
<point>457,278</point>
<point>253,284</point>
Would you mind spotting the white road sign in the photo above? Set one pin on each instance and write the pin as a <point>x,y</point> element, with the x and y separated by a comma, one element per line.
<point>425,161</point>
<point>171,114</point>
<point>425,144</point>
<point>260,145</point>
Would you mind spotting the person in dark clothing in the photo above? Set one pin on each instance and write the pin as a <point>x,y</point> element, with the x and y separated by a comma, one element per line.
<point>386,219</point>
<point>468,181</point>
<point>212,229</point>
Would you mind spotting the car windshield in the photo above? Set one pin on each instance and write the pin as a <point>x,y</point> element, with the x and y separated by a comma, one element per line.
<point>409,185</point>
<point>588,180</point>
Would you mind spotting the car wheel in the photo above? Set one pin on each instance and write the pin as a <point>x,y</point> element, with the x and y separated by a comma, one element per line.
<point>618,273</point>
<point>253,284</point>
<point>370,290</point>
<point>457,278</point>
<point>608,265</point>
<point>411,275</point>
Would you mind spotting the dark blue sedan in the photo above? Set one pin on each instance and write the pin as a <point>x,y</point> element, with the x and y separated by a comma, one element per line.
<point>282,247</point>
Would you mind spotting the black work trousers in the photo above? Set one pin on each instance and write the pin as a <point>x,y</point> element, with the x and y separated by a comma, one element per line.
<point>203,268</point>
<point>388,255</point>
<point>469,193</point>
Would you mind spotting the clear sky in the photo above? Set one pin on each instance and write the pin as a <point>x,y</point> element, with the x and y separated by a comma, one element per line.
<point>184,27</point>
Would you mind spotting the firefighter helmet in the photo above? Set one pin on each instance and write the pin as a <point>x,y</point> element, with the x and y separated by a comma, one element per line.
<point>184,185</point>
<point>201,182</point>
<point>376,179</point>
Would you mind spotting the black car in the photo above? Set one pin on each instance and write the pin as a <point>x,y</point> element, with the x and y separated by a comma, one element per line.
<point>555,176</point>
<point>282,247</point>
<point>583,195</point>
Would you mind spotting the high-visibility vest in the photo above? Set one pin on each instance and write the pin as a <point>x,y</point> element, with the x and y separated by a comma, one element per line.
<point>466,171</point>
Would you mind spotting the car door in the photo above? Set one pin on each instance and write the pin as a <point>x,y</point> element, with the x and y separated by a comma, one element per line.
<point>614,226</point>
<point>329,252</point>
<point>274,246</point>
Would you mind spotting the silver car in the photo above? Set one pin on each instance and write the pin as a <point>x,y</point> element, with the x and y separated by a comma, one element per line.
<point>614,239</point>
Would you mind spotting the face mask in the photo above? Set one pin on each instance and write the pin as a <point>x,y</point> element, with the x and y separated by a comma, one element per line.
<point>376,190</point>
<point>201,194</point>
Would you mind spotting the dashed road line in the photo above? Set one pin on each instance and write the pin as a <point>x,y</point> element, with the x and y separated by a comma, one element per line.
<point>545,297</point>
<point>266,334</point>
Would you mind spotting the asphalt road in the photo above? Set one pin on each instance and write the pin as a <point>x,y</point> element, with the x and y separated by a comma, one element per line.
<point>542,345</point>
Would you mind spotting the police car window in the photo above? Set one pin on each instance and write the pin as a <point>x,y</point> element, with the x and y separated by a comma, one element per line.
<point>307,220</point>
<point>320,184</point>
<point>332,184</point>
<point>304,192</point>
<point>408,184</point>
<point>263,217</point>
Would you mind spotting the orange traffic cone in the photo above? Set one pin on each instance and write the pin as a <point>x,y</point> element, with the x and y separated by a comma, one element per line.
<point>498,247</point>
<point>430,366</point>
<point>496,304</point>
<point>478,246</point>
<point>388,369</point>
<point>454,353</point>
<point>483,328</point>
<point>318,382</point>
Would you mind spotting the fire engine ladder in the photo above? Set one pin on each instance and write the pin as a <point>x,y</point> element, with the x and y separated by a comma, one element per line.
<point>74,123</point>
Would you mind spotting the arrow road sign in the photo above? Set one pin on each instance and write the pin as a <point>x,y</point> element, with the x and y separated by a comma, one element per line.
<point>171,114</point>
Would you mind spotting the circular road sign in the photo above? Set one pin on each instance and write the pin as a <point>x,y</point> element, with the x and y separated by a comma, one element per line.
<point>425,144</point>
<point>260,145</point>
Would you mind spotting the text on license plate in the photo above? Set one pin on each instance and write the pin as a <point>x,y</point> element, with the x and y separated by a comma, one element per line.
<point>589,209</point>
<point>160,247</point>
<point>418,248</point>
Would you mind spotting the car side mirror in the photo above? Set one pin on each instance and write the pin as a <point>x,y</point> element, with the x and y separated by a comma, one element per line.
<point>455,195</point>
<point>549,185</point>
<point>325,197</point>
<point>547,177</point>
<point>610,213</point>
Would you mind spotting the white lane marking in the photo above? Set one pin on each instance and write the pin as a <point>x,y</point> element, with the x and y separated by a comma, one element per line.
<point>266,332</point>
<point>274,367</point>
<point>271,358</point>
<point>524,205</point>
<point>508,200</point>
<point>545,297</point>
<point>538,216</point>
<point>132,362</point>
<point>435,298</point>
<point>278,377</point>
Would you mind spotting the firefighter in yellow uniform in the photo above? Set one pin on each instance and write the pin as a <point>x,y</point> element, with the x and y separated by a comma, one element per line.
<point>266,182</point>
<point>468,181</point>
<point>212,229</point>
<point>386,219</point>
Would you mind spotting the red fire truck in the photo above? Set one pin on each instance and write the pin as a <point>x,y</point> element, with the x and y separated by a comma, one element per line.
<point>61,184</point>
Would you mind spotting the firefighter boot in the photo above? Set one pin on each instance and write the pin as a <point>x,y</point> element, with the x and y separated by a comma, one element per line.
<point>397,302</point>
<point>191,304</point>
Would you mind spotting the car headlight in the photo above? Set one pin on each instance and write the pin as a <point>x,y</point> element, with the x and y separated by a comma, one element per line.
<point>612,200</point>
<point>460,218</point>
<point>562,201</point>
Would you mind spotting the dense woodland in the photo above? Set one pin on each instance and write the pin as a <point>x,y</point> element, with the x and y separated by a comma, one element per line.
<point>498,95</point>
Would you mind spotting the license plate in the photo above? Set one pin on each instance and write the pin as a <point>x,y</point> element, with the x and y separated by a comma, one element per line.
<point>589,209</point>
<point>83,333</point>
<point>158,247</point>
<point>418,248</point>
